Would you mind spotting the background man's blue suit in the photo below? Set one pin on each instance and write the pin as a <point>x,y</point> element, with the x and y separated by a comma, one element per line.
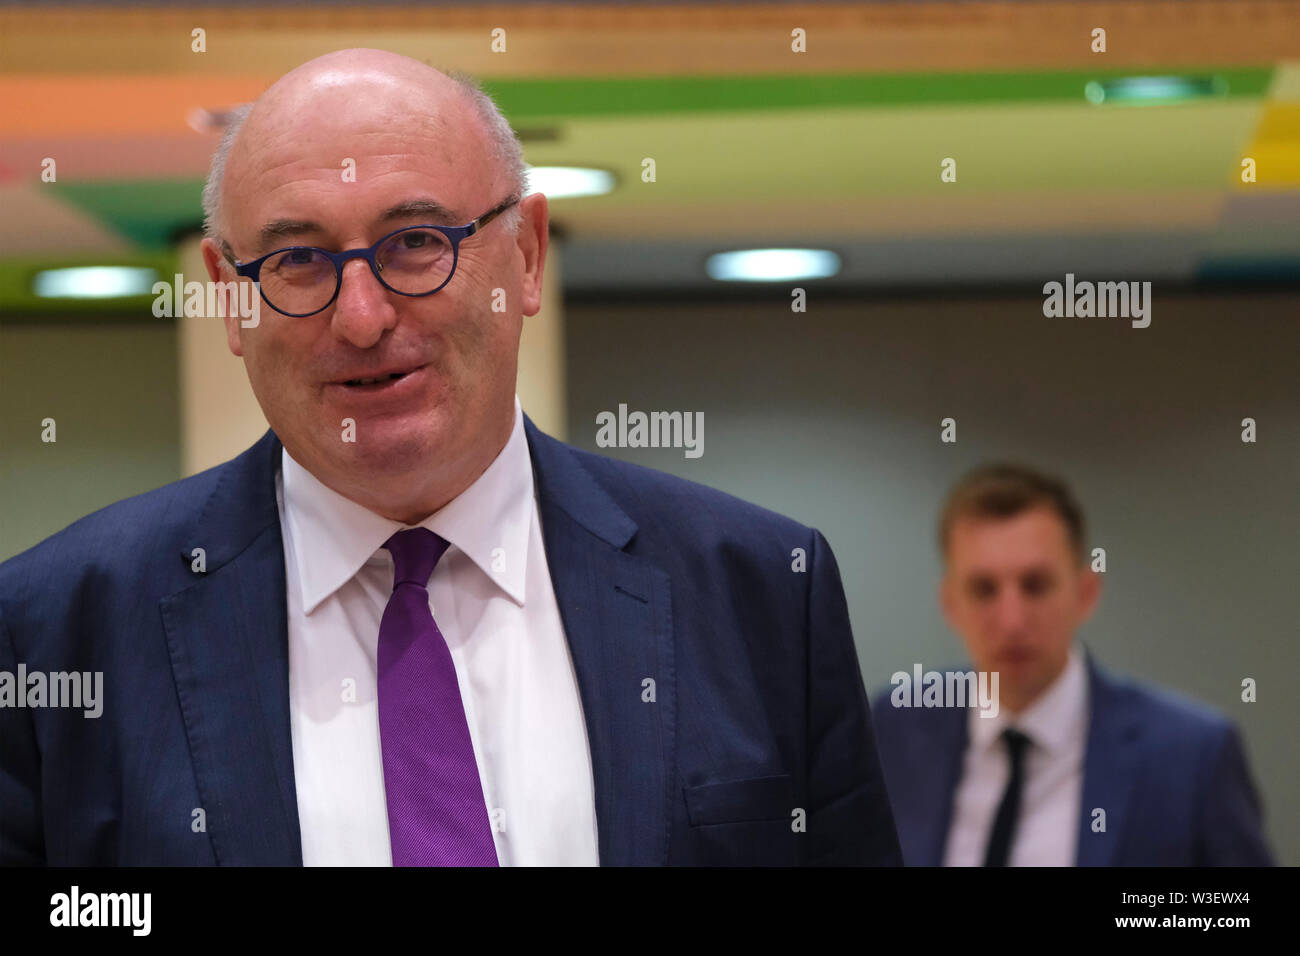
<point>1170,774</point>
<point>759,711</point>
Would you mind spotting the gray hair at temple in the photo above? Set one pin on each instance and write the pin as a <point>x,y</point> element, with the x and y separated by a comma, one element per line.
<point>506,148</point>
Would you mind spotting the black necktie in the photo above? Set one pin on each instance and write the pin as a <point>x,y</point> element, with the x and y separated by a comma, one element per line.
<point>1004,824</point>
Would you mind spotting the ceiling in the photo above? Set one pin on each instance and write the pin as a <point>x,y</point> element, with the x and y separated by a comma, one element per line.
<point>838,147</point>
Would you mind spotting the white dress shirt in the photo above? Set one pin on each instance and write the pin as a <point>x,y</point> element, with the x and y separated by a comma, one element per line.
<point>1047,833</point>
<point>492,598</point>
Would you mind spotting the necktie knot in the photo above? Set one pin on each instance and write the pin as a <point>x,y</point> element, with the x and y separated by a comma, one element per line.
<point>415,554</point>
<point>1017,743</point>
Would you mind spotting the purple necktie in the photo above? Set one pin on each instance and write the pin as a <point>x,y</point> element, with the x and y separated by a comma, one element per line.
<point>436,812</point>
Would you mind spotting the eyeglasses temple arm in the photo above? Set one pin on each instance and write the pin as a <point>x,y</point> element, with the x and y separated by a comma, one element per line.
<point>228,253</point>
<point>488,217</point>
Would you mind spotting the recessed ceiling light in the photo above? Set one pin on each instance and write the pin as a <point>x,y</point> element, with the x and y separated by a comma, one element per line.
<point>567,182</point>
<point>94,282</point>
<point>1139,90</point>
<point>772,265</point>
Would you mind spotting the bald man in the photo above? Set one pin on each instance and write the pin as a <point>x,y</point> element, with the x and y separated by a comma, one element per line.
<point>406,627</point>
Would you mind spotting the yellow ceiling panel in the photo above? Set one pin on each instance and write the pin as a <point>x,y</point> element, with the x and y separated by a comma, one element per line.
<point>971,214</point>
<point>1276,148</point>
<point>846,153</point>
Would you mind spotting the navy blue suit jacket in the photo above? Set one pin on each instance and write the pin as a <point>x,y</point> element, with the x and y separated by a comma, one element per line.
<point>1170,774</point>
<point>759,717</point>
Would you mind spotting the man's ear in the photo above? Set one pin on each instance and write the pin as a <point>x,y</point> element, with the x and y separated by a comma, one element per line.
<point>220,270</point>
<point>533,239</point>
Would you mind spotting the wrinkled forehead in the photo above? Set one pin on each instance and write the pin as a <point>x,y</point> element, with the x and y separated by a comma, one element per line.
<point>346,139</point>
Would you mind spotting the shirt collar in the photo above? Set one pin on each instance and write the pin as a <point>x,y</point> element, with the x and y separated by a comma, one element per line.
<point>1051,721</point>
<point>490,521</point>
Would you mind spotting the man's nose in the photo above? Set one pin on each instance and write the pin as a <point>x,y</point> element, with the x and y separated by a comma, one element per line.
<point>364,309</point>
<point>1011,612</point>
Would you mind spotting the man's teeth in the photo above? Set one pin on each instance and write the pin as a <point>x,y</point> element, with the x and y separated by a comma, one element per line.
<point>372,381</point>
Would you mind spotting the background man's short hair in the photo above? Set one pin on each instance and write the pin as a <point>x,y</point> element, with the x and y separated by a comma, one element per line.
<point>1004,490</point>
<point>503,142</point>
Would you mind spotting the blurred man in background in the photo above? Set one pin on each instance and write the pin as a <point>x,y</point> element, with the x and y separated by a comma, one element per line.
<point>1074,766</point>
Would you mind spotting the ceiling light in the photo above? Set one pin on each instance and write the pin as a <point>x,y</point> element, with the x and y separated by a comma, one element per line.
<point>772,265</point>
<point>94,282</point>
<point>1138,90</point>
<point>567,182</point>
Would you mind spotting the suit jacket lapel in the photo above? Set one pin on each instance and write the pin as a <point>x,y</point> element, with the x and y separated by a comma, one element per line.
<point>228,638</point>
<point>932,801</point>
<point>617,614</point>
<point>1110,767</point>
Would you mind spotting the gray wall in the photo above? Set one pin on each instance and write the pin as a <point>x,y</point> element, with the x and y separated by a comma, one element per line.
<point>112,391</point>
<point>832,417</point>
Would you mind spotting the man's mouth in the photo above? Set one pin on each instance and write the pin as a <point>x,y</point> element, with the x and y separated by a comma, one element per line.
<point>382,378</point>
<point>374,381</point>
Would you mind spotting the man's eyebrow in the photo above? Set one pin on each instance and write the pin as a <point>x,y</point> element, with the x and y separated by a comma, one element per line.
<point>430,210</point>
<point>279,228</point>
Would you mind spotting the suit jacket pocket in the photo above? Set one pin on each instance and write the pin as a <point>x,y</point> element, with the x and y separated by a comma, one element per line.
<point>740,801</point>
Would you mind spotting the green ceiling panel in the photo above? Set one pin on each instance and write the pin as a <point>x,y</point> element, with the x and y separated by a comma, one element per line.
<point>146,211</point>
<point>537,99</point>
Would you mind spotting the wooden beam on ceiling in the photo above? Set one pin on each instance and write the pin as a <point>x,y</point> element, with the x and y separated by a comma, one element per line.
<point>577,40</point>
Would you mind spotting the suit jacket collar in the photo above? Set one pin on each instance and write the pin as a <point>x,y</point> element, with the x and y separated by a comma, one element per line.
<point>565,485</point>
<point>947,738</point>
<point>617,613</point>
<point>1111,763</point>
<point>227,636</point>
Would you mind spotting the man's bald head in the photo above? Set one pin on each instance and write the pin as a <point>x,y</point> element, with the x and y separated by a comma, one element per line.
<point>416,91</point>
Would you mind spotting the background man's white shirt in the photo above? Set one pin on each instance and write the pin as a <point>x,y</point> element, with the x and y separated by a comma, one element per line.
<point>1047,833</point>
<point>492,598</point>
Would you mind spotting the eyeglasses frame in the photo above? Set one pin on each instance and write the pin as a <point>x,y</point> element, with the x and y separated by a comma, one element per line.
<point>455,235</point>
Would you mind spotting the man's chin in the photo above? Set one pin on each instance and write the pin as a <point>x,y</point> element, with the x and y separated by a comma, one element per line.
<point>392,444</point>
<point>396,445</point>
<point>1018,676</point>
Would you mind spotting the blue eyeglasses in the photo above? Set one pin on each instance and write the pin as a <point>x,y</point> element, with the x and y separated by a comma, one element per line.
<point>413,261</point>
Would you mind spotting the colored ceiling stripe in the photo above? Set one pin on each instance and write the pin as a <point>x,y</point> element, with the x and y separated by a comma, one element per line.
<point>1275,149</point>
<point>43,105</point>
<point>148,212</point>
<point>142,105</point>
<point>621,96</point>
